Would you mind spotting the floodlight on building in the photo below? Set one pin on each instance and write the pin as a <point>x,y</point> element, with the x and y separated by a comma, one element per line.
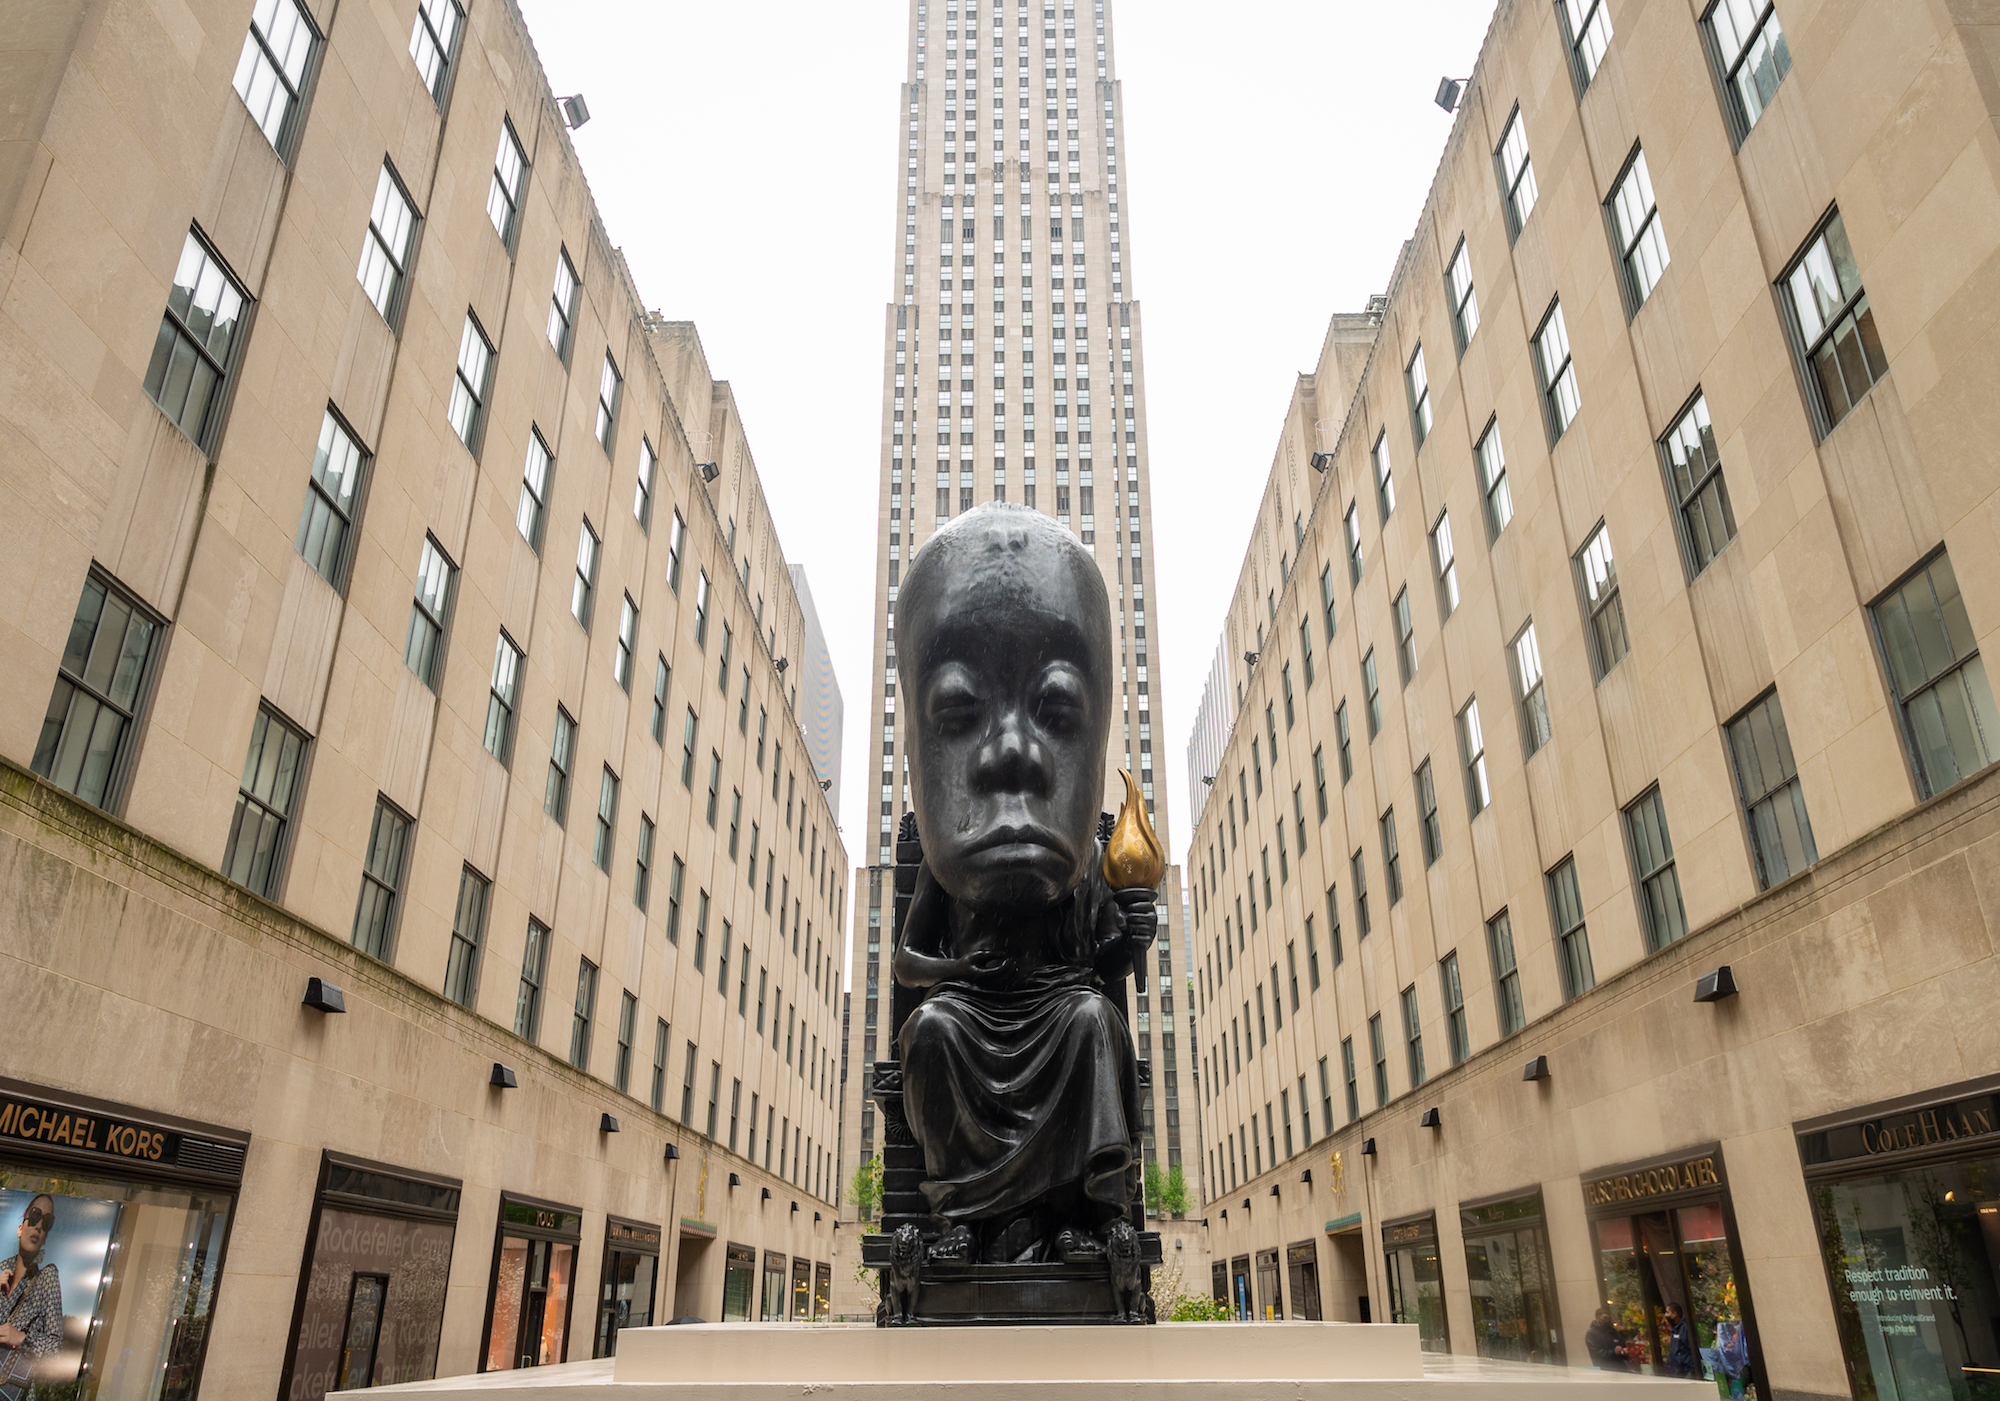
<point>1716,986</point>
<point>575,111</point>
<point>1321,461</point>
<point>709,471</point>
<point>1448,92</point>
<point>503,1077</point>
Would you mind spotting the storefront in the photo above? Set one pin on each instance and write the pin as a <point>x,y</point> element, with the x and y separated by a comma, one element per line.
<point>822,1292</point>
<point>1302,1265</point>
<point>739,1282</point>
<point>1416,1279</point>
<point>125,1216</point>
<point>1270,1301</point>
<point>1515,1315</point>
<point>1907,1200</point>
<point>1239,1288</point>
<point>533,1285</point>
<point>1670,1271</point>
<point>371,1296</point>
<point>773,1299</point>
<point>627,1283</point>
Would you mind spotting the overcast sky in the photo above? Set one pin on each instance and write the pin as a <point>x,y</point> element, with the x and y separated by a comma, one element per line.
<point>745,157</point>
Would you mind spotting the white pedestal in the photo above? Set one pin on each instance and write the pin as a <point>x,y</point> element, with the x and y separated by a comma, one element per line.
<point>1166,1362</point>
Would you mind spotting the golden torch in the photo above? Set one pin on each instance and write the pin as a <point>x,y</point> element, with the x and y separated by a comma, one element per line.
<point>1133,859</point>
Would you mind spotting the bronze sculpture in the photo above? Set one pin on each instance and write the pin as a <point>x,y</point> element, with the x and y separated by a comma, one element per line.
<point>1017,1083</point>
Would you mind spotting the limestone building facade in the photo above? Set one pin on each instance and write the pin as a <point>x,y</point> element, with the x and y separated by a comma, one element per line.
<point>429,913</point>
<point>1592,906</point>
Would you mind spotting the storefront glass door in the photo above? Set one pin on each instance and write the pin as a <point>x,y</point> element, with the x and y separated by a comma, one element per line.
<point>774,1288</point>
<point>1302,1263</point>
<point>802,1290</point>
<point>739,1272</point>
<point>626,1296</point>
<point>1416,1282</point>
<point>1239,1288</point>
<point>1515,1317</point>
<point>1678,1258</point>
<point>530,1303</point>
<point>822,1291</point>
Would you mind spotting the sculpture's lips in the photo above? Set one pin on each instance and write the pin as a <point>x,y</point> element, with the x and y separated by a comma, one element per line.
<point>999,838</point>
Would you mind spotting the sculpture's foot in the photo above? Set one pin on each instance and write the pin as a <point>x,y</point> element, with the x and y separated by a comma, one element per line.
<point>954,1244</point>
<point>1016,1243</point>
<point>1075,1243</point>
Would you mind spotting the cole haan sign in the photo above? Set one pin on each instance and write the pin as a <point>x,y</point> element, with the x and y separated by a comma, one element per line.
<point>1924,1128</point>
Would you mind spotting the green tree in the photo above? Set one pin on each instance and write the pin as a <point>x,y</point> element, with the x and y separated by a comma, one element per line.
<point>1156,1190</point>
<point>864,1189</point>
<point>1174,1196</point>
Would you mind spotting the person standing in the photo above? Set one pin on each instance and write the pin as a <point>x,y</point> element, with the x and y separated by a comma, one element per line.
<point>31,1316</point>
<point>1602,1341</point>
<point>1681,1360</point>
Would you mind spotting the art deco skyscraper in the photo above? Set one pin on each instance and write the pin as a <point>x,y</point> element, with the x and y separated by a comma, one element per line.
<point>1012,371</point>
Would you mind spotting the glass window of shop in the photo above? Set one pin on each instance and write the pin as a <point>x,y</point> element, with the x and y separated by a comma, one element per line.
<point>1239,1288</point>
<point>625,1289</point>
<point>1676,1302</point>
<point>802,1290</point>
<point>739,1282</point>
<point>112,1230</point>
<point>533,1284</point>
<point>1515,1315</point>
<point>1270,1302</point>
<point>371,1297</point>
<point>1218,1280</point>
<point>1907,1201</point>
<point>822,1292</point>
<point>1302,1265</point>
<point>773,1301</point>
<point>1416,1280</point>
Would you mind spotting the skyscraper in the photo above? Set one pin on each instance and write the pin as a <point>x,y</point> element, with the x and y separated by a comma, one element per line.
<point>1012,371</point>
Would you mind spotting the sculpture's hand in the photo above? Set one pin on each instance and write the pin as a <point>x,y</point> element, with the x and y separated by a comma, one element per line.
<point>1140,916</point>
<point>986,968</point>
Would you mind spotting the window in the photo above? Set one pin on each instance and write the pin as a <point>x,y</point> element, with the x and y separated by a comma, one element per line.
<point>1560,400</point>
<point>467,410</point>
<point>735,822</point>
<point>1319,781</point>
<point>1299,822</point>
<point>585,583</point>
<point>1835,328</point>
<point>628,635</point>
<point>1938,678</point>
<point>687,749</point>
<point>642,877</point>
<point>528,1001</point>
<point>562,306</point>
<point>423,649</point>
<point>510,173</point>
<point>610,389</point>
<point>1418,383</point>
<point>1326,600</point>
<point>1642,242</point>
<point>1528,690</point>
<point>1358,875</point>
<point>1372,689</point>
<point>192,355</point>
<point>642,496</point>
<point>503,698</point>
<point>1353,545</point>
<point>532,511</point>
<point>1774,803</point>
<point>1653,861</point>
<point>714,784</point>
<point>1456,1033</point>
<point>105,664</point>
<point>1506,973</point>
<point>562,753</point>
<point>434,43</point>
<point>722,670</point>
<point>1291,714</point>
<point>662,674</point>
<point>254,856</point>
<point>381,880</point>
<point>1603,612</point>
<point>1750,50</point>
<point>1493,482</point>
<point>1517,174</point>
<point>677,875</point>
<point>1385,481</point>
<point>1347,1073</point>
<point>385,253</point>
<point>1695,481</point>
<point>1392,856</point>
<point>662,1034</point>
<point>1472,747</point>
<point>701,610</point>
<point>1444,560</point>
<point>1587,26</point>
<point>1464,300</point>
<point>1406,635</point>
<point>468,937</point>
<point>1572,939</point>
<point>676,538</point>
<point>1413,1036</point>
<point>327,522</point>
<point>276,53</point>
<point>628,1012</point>
<point>1346,743</point>
<point>586,1008</point>
<point>1306,650</point>
<point>1427,815</point>
<point>1379,1054</point>
<point>607,814</point>
<point>687,1087</point>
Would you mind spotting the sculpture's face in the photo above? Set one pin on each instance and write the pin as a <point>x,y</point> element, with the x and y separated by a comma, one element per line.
<point>1007,637</point>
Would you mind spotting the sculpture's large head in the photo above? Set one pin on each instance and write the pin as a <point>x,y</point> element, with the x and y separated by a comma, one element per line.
<point>1005,654</point>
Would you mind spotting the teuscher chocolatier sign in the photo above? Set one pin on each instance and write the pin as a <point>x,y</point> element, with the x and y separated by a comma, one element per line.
<point>1668,1179</point>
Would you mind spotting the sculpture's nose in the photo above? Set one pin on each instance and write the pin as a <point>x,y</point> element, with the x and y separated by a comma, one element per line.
<point>1013,760</point>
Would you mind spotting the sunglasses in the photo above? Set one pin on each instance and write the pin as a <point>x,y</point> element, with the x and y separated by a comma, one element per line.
<point>34,1218</point>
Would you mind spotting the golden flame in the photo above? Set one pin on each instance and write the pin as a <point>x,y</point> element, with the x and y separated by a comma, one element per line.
<point>1133,858</point>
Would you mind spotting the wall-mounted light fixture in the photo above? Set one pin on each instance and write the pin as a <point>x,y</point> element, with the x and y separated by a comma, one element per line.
<point>1716,986</point>
<point>795,1206</point>
<point>672,1155</point>
<point>606,1124</point>
<point>709,471</point>
<point>1367,1147</point>
<point>1430,1120</point>
<point>780,665</point>
<point>1250,659</point>
<point>1536,1069</point>
<point>736,1181</point>
<point>503,1078</point>
<point>1306,1177</point>
<point>575,111</point>
<point>323,996</point>
<point>763,1194</point>
<point>826,785</point>
<point>1321,461</point>
<point>1274,1189</point>
<point>1448,92</point>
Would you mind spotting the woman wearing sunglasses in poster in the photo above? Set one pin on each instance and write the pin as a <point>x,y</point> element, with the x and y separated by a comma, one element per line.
<point>31,1310</point>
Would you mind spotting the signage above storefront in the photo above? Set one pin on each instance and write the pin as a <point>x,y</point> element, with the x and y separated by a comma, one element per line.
<point>1643,1184</point>
<point>632,1235</point>
<point>1939,1126</point>
<point>107,1134</point>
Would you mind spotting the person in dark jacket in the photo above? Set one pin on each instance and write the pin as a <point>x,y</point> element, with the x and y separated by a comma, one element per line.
<point>1681,1359</point>
<point>1602,1341</point>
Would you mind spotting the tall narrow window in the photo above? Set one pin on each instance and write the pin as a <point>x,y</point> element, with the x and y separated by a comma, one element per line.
<point>662,675</point>
<point>1653,861</point>
<point>701,609</point>
<point>1418,383</point>
<point>1427,814</point>
<point>195,349</point>
<point>1353,525</point>
<point>1319,780</point>
<point>327,522</point>
<point>1588,28</point>
<point>642,495</point>
<point>1444,560</point>
<point>1392,856</point>
<point>1517,174</point>
<point>1834,326</point>
<point>1358,876</point>
<point>1774,803</point>
<point>610,390</point>
<point>714,785</point>
<point>687,748</point>
<point>585,1011</point>
<point>628,637</point>
<point>628,1013</point>
<point>687,1087</point>
<point>434,43</point>
<point>607,817</point>
<point>1326,601</point>
<point>562,306</point>
<point>1371,687</point>
<point>1456,1033</point>
<point>584,585</point>
<point>467,409</point>
<point>423,649</point>
<point>385,253</point>
<point>1385,477</point>
<point>1750,50</point>
<point>503,699</point>
<point>1464,300</point>
<point>468,938</point>
<point>562,753</point>
<point>532,511</point>
<point>1346,741</point>
<point>676,540</point>
<point>662,1035</point>
<point>1603,611</point>
<point>510,173</point>
<point>1560,400</point>
<point>1572,939</point>
<point>1406,635</point>
<point>676,878</point>
<point>1938,678</point>
<point>1472,746</point>
<point>1348,1075</point>
<point>722,669</point>
<point>272,68</point>
<point>1413,1036</point>
<point>1642,242</point>
<point>254,856</point>
<point>1493,481</point>
<point>642,875</point>
<point>1378,1050</point>
<point>381,881</point>
<point>1526,655</point>
<point>1695,481</point>
<point>1506,974</point>
<point>1291,713</point>
<point>528,1000</point>
<point>1306,650</point>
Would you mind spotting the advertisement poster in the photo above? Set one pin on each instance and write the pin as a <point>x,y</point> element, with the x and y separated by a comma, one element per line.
<point>76,1246</point>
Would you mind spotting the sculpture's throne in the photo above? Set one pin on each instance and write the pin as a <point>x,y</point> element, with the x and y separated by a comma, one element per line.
<point>1111,1288</point>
